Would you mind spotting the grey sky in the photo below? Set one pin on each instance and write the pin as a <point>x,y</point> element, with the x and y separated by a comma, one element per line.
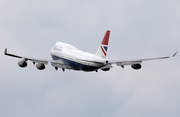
<point>139,29</point>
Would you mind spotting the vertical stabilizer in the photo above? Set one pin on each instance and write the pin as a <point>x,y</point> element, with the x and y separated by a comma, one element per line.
<point>102,50</point>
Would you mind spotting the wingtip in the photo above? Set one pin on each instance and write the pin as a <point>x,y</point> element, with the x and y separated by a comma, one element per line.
<point>174,54</point>
<point>5,52</point>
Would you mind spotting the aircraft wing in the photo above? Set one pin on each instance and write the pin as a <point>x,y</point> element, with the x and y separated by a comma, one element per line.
<point>26,58</point>
<point>55,63</point>
<point>137,61</point>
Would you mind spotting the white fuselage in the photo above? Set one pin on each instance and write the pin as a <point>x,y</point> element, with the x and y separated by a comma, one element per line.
<point>77,59</point>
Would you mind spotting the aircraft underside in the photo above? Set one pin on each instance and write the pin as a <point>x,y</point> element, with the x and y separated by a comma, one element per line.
<point>74,65</point>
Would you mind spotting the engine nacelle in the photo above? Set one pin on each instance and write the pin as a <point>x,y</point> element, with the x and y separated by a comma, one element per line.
<point>22,63</point>
<point>136,66</point>
<point>40,66</point>
<point>105,69</point>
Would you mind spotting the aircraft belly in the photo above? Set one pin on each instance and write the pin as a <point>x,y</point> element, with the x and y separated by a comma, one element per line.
<point>79,65</point>
<point>83,67</point>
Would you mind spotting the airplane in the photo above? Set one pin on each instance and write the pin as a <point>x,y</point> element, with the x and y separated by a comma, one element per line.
<point>66,56</point>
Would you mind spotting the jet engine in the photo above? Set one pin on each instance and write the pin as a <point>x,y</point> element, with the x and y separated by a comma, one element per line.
<point>22,63</point>
<point>40,66</point>
<point>105,69</point>
<point>136,66</point>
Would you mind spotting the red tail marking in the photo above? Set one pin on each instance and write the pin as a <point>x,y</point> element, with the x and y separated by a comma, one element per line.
<point>106,38</point>
<point>103,51</point>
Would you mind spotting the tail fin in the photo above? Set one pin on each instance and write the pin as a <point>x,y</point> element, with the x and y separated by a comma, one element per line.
<point>102,50</point>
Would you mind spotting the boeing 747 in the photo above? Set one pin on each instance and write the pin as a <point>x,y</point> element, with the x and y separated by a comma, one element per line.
<point>66,56</point>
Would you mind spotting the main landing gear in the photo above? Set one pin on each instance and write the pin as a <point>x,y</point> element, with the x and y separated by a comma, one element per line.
<point>56,68</point>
